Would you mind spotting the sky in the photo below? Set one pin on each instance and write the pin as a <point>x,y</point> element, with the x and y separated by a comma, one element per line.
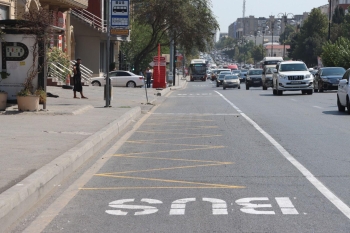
<point>227,11</point>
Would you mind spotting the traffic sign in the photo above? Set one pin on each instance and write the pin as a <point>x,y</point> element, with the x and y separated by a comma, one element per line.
<point>119,32</point>
<point>120,13</point>
<point>162,59</point>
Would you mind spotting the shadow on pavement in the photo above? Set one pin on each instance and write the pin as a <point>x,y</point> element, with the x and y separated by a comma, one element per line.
<point>335,113</point>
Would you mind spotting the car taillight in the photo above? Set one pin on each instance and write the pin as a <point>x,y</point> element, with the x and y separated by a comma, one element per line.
<point>140,77</point>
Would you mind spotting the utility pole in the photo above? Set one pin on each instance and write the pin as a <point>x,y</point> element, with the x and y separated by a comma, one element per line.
<point>329,19</point>
<point>108,101</point>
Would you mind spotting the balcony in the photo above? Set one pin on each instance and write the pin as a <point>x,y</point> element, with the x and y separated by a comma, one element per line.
<point>64,5</point>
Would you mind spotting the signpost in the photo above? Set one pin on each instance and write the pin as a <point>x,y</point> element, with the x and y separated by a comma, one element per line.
<point>120,13</point>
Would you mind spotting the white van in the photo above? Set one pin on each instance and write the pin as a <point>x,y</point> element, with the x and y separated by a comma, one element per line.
<point>268,64</point>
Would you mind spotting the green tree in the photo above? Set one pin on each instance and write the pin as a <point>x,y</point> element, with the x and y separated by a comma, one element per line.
<point>338,15</point>
<point>190,22</point>
<point>258,53</point>
<point>337,54</point>
<point>289,30</point>
<point>313,34</point>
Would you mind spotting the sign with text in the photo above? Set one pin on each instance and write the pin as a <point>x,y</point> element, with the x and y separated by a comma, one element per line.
<point>119,32</point>
<point>120,13</point>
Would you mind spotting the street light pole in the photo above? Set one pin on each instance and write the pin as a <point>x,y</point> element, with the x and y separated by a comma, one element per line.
<point>285,20</point>
<point>329,19</point>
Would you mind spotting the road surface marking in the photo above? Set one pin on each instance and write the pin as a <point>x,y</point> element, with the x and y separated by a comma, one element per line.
<point>219,206</point>
<point>146,210</point>
<point>178,206</point>
<point>250,208</point>
<point>45,218</point>
<point>286,205</point>
<point>294,100</point>
<point>317,107</point>
<point>308,175</point>
<point>198,114</point>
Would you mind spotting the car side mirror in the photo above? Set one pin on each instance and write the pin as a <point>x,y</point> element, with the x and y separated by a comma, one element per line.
<point>274,70</point>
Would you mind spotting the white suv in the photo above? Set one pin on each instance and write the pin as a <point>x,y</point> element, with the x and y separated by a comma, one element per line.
<point>343,93</point>
<point>292,76</point>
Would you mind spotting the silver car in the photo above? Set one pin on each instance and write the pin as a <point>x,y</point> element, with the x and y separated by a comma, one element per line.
<point>231,81</point>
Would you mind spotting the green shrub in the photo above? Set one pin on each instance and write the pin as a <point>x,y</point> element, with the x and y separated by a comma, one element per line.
<point>337,54</point>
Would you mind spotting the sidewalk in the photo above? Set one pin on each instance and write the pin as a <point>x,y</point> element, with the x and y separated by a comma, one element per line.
<point>40,149</point>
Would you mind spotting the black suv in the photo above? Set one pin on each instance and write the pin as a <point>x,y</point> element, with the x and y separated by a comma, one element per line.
<point>254,78</point>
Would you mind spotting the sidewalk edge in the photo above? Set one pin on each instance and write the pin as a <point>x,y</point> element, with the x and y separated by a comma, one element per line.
<point>17,200</point>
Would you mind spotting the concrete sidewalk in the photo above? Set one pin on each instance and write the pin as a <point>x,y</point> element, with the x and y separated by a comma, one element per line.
<point>38,150</point>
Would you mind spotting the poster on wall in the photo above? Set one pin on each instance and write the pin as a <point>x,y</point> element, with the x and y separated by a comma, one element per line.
<point>16,60</point>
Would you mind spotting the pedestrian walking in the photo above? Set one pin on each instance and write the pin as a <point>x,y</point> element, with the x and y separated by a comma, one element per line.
<point>77,80</point>
<point>148,77</point>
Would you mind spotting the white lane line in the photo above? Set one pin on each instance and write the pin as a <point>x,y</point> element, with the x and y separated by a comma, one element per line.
<point>308,175</point>
<point>196,114</point>
<point>317,107</point>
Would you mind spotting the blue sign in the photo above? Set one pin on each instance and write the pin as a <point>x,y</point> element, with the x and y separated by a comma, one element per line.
<point>120,13</point>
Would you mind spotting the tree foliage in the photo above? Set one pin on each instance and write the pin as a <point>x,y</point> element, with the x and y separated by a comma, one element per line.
<point>288,32</point>
<point>338,16</point>
<point>190,22</point>
<point>337,54</point>
<point>307,45</point>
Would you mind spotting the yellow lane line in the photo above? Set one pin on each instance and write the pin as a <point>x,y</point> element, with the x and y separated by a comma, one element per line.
<point>164,169</point>
<point>171,159</point>
<point>166,143</point>
<point>166,139</point>
<point>167,181</point>
<point>179,187</point>
<point>168,151</point>
<point>162,132</point>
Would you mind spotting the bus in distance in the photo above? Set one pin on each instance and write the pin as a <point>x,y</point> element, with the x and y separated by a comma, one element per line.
<point>198,70</point>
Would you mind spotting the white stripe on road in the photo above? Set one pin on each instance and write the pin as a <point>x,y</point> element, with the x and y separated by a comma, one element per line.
<point>317,107</point>
<point>308,175</point>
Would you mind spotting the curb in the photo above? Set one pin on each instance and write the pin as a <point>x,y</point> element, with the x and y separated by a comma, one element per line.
<point>168,89</point>
<point>17,200</point>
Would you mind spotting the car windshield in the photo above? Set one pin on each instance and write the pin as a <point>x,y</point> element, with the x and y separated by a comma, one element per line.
<point>333,71</point>
<point>293,67</point>
<point>231,77</point>
<point>235,71</point>
<point>222,76</point>
<point>255,72</point>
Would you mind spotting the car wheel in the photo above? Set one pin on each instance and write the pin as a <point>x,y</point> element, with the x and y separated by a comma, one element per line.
<point>348,104</point>
<point>224,88</point>
<point>96,83</point>
<point>217,84</point>
<point>274,92</point>
<point>279,92</point>
<point>239,87</point>
<point>246,87</point>
<point>131,84</point>
<point>309,92</point>
<point>341,108</point>
<point>315,89</point>
<point>264,87</point>
<point>303,92</point>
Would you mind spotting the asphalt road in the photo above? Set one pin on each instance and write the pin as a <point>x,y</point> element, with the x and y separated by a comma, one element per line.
<point>214,160</point>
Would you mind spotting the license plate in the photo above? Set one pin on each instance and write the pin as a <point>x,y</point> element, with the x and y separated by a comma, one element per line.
<point>296,82</point>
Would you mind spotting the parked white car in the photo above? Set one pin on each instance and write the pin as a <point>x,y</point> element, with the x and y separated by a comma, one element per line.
<point>343,93</point>
<point>120,78</point>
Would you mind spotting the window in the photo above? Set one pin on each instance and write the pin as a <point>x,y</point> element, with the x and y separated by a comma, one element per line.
<point>4,12</point>
<point>122,73</point>
<point>346,75</point>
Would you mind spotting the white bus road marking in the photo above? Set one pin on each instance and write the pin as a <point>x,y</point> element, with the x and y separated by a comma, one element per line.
<point>308,175</point>
<point>219,207</point>
<point>286,205</point>
<point>120,204</point>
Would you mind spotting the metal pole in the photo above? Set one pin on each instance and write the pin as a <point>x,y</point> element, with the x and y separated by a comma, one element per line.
<point>273,27</point>
<point>108,101</point>
<point>329,19</point>
<point>262,50</point>
<point>284,36</point>
<point>174,68</point>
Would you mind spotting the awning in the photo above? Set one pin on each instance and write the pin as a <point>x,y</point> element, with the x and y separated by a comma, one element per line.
<point>64,5</point>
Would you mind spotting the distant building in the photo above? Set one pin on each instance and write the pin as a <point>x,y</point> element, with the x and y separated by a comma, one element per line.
<point>324,9</point>
<point>277,50</point>
<point>223,35</point>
